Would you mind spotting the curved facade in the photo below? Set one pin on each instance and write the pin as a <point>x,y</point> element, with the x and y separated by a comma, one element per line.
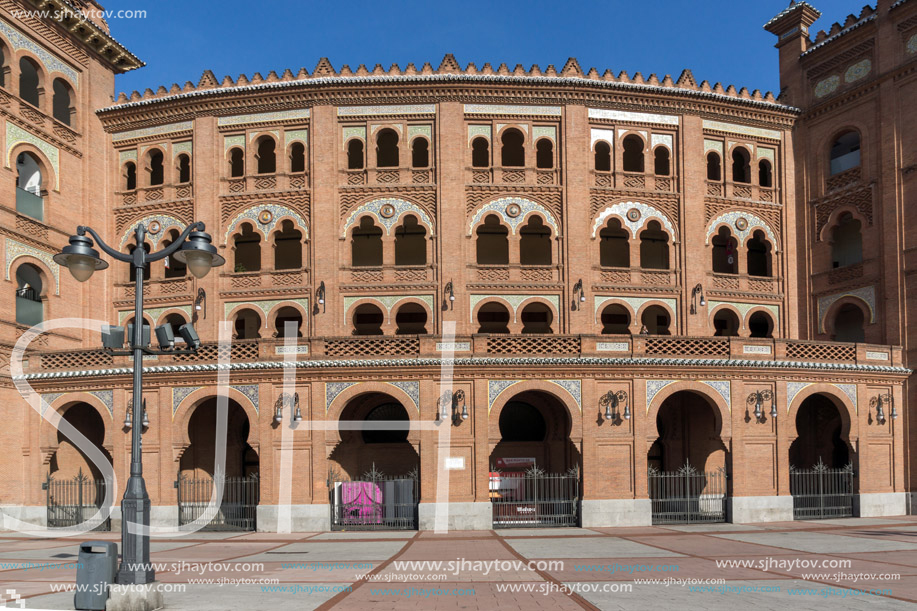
<point>603,272</point>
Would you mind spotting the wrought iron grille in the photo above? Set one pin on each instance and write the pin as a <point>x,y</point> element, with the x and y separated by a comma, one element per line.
<point>822,492</point>
<point>687,496</point>
<point>72,502</point>
<point>374,502</point>
<point>238,503</point>
<point>535,498</point>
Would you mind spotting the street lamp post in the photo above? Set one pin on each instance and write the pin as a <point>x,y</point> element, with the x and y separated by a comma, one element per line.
<point>194,248</point>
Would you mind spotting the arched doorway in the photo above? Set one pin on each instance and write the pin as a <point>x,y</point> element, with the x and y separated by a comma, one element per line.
<point>534,474</point>
<point>687,462</point>
<point>199,475</point>
<point>373,473</point>
<point>75,486</point>
<point>821,466</point>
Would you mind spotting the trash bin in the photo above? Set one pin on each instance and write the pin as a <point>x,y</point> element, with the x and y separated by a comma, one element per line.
<point>98,562</point>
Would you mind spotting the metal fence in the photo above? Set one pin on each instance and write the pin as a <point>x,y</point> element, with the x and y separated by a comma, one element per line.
<point>73,502</point>
<point>374,502</point>
<point>238,505</point>
<point>687,496</point>
<point>822,492</point>
<point>535,499</point>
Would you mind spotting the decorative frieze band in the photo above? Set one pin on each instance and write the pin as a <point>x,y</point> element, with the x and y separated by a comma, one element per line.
<point>159,130</point>
<point>265,117</point>
<point>634,117</point>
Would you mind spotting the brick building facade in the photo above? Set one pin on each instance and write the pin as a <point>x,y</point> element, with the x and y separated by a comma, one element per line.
<point>632,273</point>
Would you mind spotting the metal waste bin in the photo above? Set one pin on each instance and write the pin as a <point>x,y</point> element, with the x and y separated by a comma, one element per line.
<point>98,562</point>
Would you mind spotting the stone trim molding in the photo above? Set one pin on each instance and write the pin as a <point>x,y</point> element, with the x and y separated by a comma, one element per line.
<point>374,209</point>
<point>646,213</point>
<point>526,206</point>
<point>752,222</point>
<point>277,213</point>
<point>166,222</point>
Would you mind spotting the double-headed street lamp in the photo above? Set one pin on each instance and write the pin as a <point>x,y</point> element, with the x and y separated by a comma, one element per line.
<point>193,247</point>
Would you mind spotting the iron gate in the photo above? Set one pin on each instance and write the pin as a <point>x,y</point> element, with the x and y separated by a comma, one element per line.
<point>374,502</point>
<point>535,498</point>
<point>822,492</point>
<point>72,502</point>
<point>687,496</point>
<point>238,506</point>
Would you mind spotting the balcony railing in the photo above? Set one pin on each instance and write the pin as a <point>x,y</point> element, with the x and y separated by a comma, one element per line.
<point>29,204</point>
<point>503,345</point>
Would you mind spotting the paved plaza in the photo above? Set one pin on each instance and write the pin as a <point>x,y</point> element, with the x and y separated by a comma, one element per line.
<point>831,564</point>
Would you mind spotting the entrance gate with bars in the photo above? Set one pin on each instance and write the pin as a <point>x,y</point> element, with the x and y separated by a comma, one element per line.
<point>238,506</point>
<point>822,492</point>
<point>374,502</point>
<point>72,502</point>
<point>687,496</point>
<point>535,499</point>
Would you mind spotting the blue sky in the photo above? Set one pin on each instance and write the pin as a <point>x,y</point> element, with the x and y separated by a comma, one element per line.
<point>719,40</point>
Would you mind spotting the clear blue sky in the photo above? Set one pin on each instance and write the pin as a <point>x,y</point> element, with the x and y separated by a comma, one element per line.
<point>719,40</point>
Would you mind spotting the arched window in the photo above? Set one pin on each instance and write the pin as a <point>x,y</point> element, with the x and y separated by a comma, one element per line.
<point>29,81</point>
<point>654,247</point>
<point>366,244</point>
<point>184,168</point>
<point>29,307</point>
<point>845,152</point>
<point>29,185</point>
<point>132,274</point>
<point>741,165</point>
<point>480,153</point>
<point>847,242</point>
<point>247,325</point>
<point>130,176</point>
<point>297,157</point>
<point>655,320</point>
<point>633,154</point>
<point>410,242</point>
<point>266,155</point>
<point>535,242</point>
<point>288,247</point>
<point>536,318</point>
<point>713,166</point>
<point>615,320</point>
<point>387,149</point>
<point>513,151</point>
<point>760,324</point>
<point>725,323</point>
<point>602,157</point>
<point>61,103</point>
<point>420,153</point>
<point>247,250</point>
<point>355,154</point>
<point>614,245</point>
<point>544,154</point>
<point>493,317</point>
<point>724,253</point>
<point>288,314</point>
<point>411,319</point>
<point>4,55</point>
<point>367,320</point>
<point>759,255</point>
<point>174,267</point>
<point>661,161</point>
<point>849,324</point>
<point>175,320</point>
<point>236,163</point>
<point>492,242</point>
<point>765,176</point>
<point>156,168</point>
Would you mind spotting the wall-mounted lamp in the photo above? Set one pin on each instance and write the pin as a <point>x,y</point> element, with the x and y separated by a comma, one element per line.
<point>757,399</point>
<point>454,403</point>
<point>284,400</point>
<point>200,305</point>
<point>320,297</point>
<point>609,402</point>
<point>695,292</point>
<point>448,296</point>
<point>579,296</point>
<point>878,403</point>
<point>129,413</point>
